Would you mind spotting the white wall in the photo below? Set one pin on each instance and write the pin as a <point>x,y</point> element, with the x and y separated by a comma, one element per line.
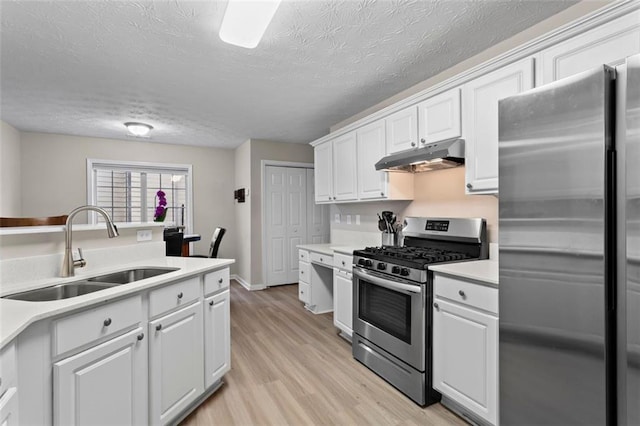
<point>243,211</point>
<point>248,160</point>
<point>10,182</point>
<point>54,178</point>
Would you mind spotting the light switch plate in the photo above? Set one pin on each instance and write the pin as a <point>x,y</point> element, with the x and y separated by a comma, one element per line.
<point>144,235</point>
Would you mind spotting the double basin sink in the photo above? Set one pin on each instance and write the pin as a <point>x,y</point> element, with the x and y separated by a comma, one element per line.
<point>89,285</point>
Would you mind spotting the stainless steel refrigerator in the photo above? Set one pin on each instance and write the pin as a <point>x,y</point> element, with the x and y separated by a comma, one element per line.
<point>570,250</point>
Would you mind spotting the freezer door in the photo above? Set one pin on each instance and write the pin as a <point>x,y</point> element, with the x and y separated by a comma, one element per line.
<point>553,148</point>
<point>629,275</point>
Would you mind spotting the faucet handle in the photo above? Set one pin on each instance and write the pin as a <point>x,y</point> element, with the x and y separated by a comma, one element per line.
<point>80,263</point>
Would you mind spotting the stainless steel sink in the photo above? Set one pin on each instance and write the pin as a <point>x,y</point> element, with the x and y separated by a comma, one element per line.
<point>78,288</point>
<point>131,275</point>
<point>61,291</point>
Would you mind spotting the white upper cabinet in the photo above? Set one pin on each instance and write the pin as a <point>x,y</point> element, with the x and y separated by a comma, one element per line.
<point>323,165</point>
<point>402,130</point>
<point>439,117</point>
<point>480,111</point>
<point>344,168</point>
<point>608,44</point>
<point>371,148</point>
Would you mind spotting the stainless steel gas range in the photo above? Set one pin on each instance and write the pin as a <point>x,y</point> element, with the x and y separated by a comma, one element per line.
<point>392,298</point>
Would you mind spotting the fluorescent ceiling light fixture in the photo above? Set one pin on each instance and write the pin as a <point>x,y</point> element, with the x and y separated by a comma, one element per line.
<point>138,129</point>
<point>245,21</point>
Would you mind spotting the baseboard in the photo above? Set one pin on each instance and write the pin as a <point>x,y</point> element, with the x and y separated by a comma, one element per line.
<point>250,287</point>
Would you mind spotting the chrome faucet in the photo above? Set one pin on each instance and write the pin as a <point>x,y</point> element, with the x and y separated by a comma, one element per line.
<point>68,264</point>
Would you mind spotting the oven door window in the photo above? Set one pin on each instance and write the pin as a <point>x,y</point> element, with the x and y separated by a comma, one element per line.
<point>388,310</point>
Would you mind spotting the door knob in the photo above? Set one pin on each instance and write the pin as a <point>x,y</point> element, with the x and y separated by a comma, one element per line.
<point>107,322</point>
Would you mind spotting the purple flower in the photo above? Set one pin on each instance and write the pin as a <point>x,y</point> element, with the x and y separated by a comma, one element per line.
<point>162,202</point>
<point>159,210</point>
<point>160,193</point>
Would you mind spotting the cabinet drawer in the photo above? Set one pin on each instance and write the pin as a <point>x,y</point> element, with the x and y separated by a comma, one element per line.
<point>304,292</point>
<point>304,273</point>
<point>216,280</point>
<point>173,296</point>
<point>79,329</point>
<point>324,259</point>
<point>467,293</point>
<point>343,261</point>
<point>303,255</point>
<point>8,368</point>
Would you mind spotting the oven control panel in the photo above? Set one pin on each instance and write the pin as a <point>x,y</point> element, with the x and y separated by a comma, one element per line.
<point>437,225</point>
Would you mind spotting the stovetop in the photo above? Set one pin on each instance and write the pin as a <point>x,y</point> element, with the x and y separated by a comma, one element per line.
<point>415,257</point>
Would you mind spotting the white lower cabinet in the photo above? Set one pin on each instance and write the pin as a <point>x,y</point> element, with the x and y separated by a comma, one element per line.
<point>217,337</point>
<point>343,301</point>
<point>465,347</point>
<point>175,362</point>
<point>103,385</point>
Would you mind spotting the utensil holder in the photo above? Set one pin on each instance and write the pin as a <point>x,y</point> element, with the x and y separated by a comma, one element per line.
<point>389,239</point>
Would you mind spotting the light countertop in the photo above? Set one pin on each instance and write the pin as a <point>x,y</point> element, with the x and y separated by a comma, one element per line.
<point>16,315</point>
<point>318,248</point>
<point>330,248</point>
<point>485,271</point>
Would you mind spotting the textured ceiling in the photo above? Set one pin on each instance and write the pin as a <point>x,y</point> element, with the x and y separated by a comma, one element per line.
<point>86,67</point>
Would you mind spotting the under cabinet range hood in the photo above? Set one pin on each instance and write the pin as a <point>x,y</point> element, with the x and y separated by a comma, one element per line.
<point>435,156</point>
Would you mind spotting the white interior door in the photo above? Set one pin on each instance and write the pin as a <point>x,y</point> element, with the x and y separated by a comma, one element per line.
<point>285,222</point>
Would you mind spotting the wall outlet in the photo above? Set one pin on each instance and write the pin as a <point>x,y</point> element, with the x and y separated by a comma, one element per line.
<point>348,219</point>
<point>357,219</point>
<point>336,218</point>
<point>144,235</point>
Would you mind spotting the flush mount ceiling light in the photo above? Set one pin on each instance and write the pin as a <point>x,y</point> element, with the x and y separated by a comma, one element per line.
<point>138,129</point>
<point>245,21</point>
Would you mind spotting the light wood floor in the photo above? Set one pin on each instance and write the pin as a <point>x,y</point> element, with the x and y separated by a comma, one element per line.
<point>289,366</point>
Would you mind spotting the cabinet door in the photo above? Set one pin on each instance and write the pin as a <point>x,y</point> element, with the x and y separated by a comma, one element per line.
<point>344,171</point>
<point>465,358</point>
<point>176,364</point>
<point>323,166</point>
<point>9,408</point>
<point>104,385</point>
<point>607,44</point>
<point>343,301</point>
<point>480,105</point>
<point>402,130</point>
<point>371,147</point>
<point>217,337</point>
<point>439,117</point>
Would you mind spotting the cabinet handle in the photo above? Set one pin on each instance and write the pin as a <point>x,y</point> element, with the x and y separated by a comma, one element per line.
<point>140,336</point>
<point>423,140</point>
<point>435,305</point>
<point>107,322</point>
<point>301,292</point>
<point>211,303</point>
<point>220,281</point>
<point>343,264</point>
<point>302,272</point>
<point>321,260</point>
<point>413,144</point>
<point>158,327</point>
<point>461,293</point>
<point>469,186</point>
<point>329,197</point>
<point>180,295</point>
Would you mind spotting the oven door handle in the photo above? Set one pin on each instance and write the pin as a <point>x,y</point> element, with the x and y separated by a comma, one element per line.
<point>391,285</point>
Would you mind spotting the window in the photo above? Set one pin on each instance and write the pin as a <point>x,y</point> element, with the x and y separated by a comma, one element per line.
<point>127,190</point>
